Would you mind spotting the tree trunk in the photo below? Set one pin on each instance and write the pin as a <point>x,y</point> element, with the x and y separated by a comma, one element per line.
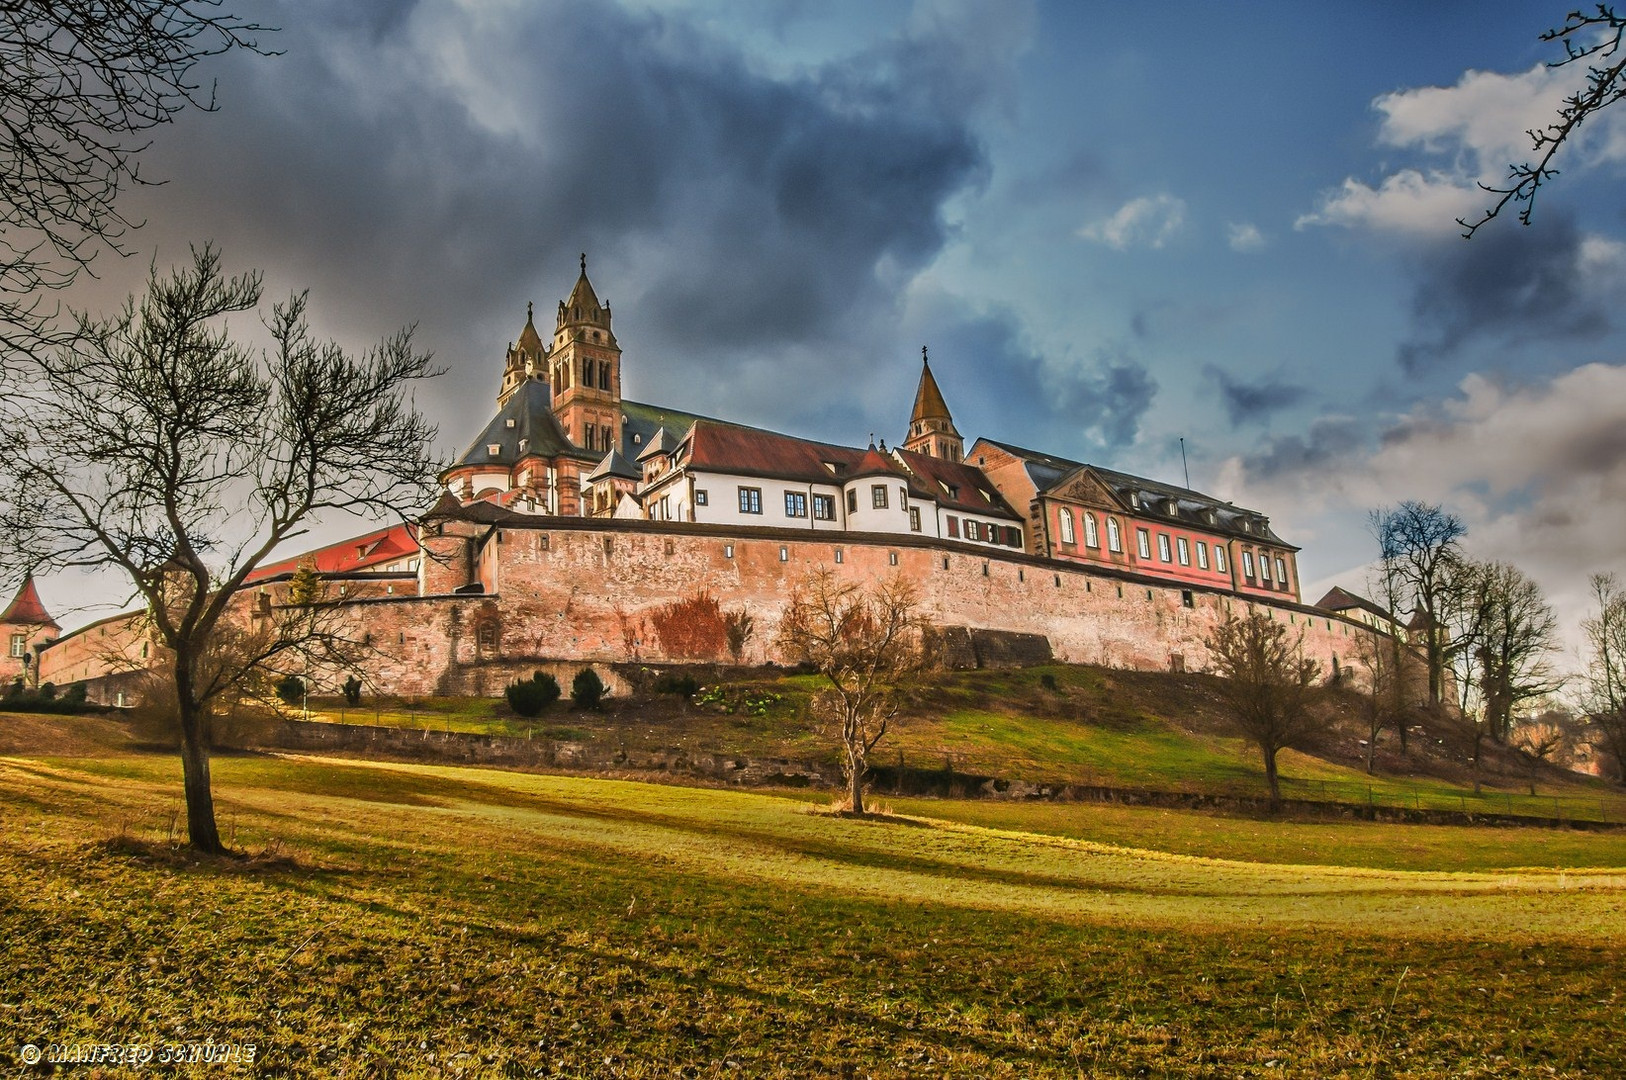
<point>855,770</point>
<point>200,800</point>
<point>1275,782</point>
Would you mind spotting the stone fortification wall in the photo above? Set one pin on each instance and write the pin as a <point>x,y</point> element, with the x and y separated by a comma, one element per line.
<point>577,591</point>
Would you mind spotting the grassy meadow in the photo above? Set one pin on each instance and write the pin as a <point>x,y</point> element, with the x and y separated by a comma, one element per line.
<point>414,920</point>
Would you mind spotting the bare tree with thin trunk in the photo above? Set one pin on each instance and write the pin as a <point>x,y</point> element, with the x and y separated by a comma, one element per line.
<point>860,641</point>
<point>81,83</point>
<point>1417,544</point>
<point>1604,685</point>
<point>161,448</point>
<point>1267,683</point>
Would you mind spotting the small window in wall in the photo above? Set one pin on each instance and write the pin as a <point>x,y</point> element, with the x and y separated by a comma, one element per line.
<point>953,524</point>
<point>945,562</point>
<point>1163,548</point>
<point>824,508</point>
<point>1089,586</point>
<point>487,635</point>
<point>1183,546</point>
<point>1143,543</point>
<point>892,557</point>
<point>1187,598</point>
<point>609,546</point>
<point>784,553</point>
<point>1020,576</point>
<point>903,497</point>
<point>1092,534</point>
<point>728,551</point>
<point>389,590</point>
<point>145,646</point>
<point>670,549</point>
<point>700,497</point>
<point>984,569</point>
<point>1120,592</point>
<point>1149,594</point>
<point>877,496</point>
<point>838,555</point>
<point>750,500</point>
<point>19,646</point>
<point>1281,575</point>
<point>914,519</point>
<point>852,501</point>
<point>973,529</point>
<point>1058,582</point>
<point>400,638</point>
<point>795,504</point>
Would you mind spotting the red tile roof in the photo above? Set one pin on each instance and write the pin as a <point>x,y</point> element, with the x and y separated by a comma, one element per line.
<point>25,608</point>
<point>348,556</point>
<point>956,485</point>
<point>754,452</point>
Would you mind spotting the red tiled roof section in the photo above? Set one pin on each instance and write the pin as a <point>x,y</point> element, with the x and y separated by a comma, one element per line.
<point>753,452</point>
<point>956,485</point>
<point>25,608</point>
<point>348,556</point>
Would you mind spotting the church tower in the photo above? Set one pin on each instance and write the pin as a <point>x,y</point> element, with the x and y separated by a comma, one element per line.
<point>527,359</point>
<point>584,370</point>
<point>931,429</point>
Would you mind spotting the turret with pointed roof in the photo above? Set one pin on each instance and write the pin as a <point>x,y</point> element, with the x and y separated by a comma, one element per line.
<point>931,428</point>
<point>528,359</point>
<point>584,369</point>
<point>24,625</point>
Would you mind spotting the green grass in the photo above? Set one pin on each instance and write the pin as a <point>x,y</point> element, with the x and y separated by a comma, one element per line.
<point>458,922</point>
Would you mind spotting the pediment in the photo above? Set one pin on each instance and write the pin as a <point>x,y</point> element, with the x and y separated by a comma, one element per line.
<point>1082,486</point>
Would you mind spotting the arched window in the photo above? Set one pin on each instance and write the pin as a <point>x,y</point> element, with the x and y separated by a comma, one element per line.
<point>1067,536</point>
<point>1115,540</point>
<point>1092,535</point>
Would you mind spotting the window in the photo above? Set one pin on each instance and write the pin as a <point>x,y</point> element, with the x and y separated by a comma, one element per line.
<point>19,646</point>
<point>1115,542</point>
<point>973,529</point>
<point>1281,576</point>
<point>1067,527</point>
<point>1247,564</point>
<point>824,508</point>
<point>666,508</point>
<point>784,554</point>
<point>903,497</point>
<point>914,519</point>
<point>700,496</point>
<point>750,500</point>
<point>1187,599</point>
<point>795,504</point>
<point>728,551</point>
<point>1264,567</point>
<point>603,372</point>
<point>1219,558</point>
<point>877,496</point>
<point>487,635</point>
<point>953,526</point>
<point>1184,547</point>
<point>1092,535</point>
<point>1143,543</point>
<point>1202,555</point>
<point>852,501</point>
<point>892,557</point>
<point>493,449</point>
<point>838,554</point>
<point>1163,548</point>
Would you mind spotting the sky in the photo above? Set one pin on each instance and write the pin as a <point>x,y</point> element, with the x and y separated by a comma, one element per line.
<point>1116,226</point>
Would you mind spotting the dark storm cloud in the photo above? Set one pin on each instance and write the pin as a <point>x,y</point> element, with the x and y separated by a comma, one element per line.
<point>1514,284</point>
<point>439,164</point>
<point>1246,402</point>
<point>996,385</point>
<point>1329,445</point>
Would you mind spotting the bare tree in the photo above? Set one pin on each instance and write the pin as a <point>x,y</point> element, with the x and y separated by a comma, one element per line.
<point>80,84</point>
<point>1537,740</point>
<point>860,640</point>
<point>1267,683</point>
<point>1394,687</point>
<point>1417,545</point>
<point>1604,686</point>
<point>1592,37</point>
<point>159,447</point>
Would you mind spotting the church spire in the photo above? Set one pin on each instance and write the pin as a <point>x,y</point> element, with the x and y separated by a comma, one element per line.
<point>931,428</point>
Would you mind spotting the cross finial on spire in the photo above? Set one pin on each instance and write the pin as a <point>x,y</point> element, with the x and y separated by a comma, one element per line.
<point>923,359</point>
<point>528,311</point>
<point>584,262</point>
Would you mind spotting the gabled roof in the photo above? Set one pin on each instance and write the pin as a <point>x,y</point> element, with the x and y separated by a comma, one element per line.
<point>531,411</point>
<point>734,448</point>
<point>1153,498</point>
<point>359,553</point>
<point>1341,600</point>
<point>956,485</point>
<point>659,443</point>
<point>639,422</point>
<point>614,465</point>
<point>25,608</point>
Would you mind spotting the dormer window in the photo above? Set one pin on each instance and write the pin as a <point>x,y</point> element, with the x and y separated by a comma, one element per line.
<point>509,422</point>
<point>493,449</point>
<point>523,444</point>
<point>1134,499</point>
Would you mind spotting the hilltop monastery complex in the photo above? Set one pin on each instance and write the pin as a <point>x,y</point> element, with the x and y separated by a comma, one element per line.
<point>577,517</point>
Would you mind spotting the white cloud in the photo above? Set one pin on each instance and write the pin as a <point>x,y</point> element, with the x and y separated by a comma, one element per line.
<point>1244,236</point>
<point>1537,471</point>
<point>1479,124</point>
<point>1149,221</point>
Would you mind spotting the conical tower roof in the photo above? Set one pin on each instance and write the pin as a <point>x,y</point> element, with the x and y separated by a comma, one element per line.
<point>582,298</point>
<point>929,403</point>
<point>530,342</point>
<point>25,608</point>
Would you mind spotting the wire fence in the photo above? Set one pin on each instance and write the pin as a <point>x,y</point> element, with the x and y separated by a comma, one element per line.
<point>1387,794</point>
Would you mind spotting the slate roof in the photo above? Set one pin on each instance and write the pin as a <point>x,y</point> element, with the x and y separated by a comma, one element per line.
<point>615,465</point>
<point>531,410</point>
<point>348,556</point>
<point>26,609</point>
<point>1152,497</point>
